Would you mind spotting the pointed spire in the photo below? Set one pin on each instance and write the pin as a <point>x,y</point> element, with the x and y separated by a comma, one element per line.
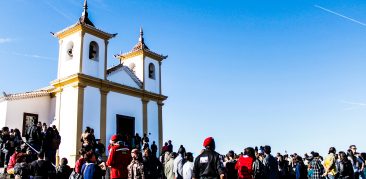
<point>84,19</point>
<point>85,11</point>
<point>141,38</point>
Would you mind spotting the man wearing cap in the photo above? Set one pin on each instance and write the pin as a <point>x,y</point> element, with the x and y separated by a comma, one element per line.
<point>119,158</point>
<point>208,164</point>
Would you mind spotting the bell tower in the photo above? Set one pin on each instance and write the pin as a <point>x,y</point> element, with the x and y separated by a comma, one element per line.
<point>145,63</point>
<point>82,56</point>
<point>83,48</point>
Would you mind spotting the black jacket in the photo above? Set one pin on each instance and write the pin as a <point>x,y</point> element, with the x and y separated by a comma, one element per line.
<point>208,165</point>
<point>42,169</point>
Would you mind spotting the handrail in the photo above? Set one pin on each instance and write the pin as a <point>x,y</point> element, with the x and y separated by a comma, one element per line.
<point>35,150</point>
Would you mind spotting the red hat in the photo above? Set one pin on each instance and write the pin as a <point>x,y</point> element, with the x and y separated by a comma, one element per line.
<point>114,138</point>
<point>208,142</point>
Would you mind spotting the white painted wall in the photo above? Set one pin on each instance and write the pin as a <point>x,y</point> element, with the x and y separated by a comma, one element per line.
<point>120,76</point>
<point>17,108</point>
<point>138,66</point>
<point>124,105</point>
<point>152,85</point>
<point>3,111</point>
<point>69,66</point>
<point>68,121</point>
<point>91,113</point>
<point>52,111</point>
<point>93,68</point>
<point>152,122</point>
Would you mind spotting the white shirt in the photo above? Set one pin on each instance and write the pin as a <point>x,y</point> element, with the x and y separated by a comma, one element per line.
<point>178,165</point>
<point>187,170</point>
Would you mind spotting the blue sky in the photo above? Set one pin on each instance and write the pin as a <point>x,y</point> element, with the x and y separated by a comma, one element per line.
<point>288,73</point>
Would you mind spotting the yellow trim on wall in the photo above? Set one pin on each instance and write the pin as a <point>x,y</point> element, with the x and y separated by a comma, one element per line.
<point>87,80</point>
<point>87,29</point>
<point>141,52</point>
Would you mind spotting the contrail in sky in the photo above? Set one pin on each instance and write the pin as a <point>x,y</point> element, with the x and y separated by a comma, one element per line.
<point>340,15</point>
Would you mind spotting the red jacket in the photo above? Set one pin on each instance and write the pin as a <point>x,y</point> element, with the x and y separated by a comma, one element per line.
<point>119,158</point>
<point>12,160</point>
<point>245,167</point>
<point>79,163</point>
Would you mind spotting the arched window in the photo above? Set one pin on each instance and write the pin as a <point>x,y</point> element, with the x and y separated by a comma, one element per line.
<point>93,51</point>
<point>151,71</point>
<point>70,50</point>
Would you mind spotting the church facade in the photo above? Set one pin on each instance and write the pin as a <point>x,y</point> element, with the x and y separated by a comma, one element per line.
<point>125,99</point>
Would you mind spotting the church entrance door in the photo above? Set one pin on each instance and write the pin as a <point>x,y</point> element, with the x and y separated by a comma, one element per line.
<point>126,128</point>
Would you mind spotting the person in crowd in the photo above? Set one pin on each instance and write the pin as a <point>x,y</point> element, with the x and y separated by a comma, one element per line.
<point>145,141</point>
<point>137,141</point>
<point>21,168</point>
<point>118,159</point>
<point>170,146</point>
<point>208,164</point>
<point>283,170</point>
<point>86,139</point>
<point>355,162</point>
<point>80,162</point>
<point>44,129</point>
<point>230,165</point>
<point>6,146</point>
<point>244,165</point>
<point>188,166</point>
<point>12,160</point>
<point>315,167</point>
<point>63,171</point>
<point>135,168</point>
<point>178,163</point>
<point>165,148</point>
<point>169,166</point>
<point>90,169</point>
<point>154,149</point>
<point>17,138</point>
<point>270,164</point>
<point>361,161</point>
<point>34,138</point>
<point>99,149</point>
<point>152,166</point>
<point>47,146</point>
<point>300,168</point>
<point>345,168</point>
<point>258,167</point>
<point>42,169</point>
<point>330,164</point>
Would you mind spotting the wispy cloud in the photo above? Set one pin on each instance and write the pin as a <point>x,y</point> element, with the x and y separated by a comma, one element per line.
<point>5,40</point>
<point>62,13</point>
<point>354,105</point>
<point>340,15</point>
<point>35,56</point>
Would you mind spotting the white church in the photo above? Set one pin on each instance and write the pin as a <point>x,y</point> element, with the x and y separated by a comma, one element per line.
<point>125,99</point>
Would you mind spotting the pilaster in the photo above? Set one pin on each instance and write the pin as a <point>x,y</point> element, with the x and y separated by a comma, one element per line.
<point>144,115</point>
<point>160,124</point>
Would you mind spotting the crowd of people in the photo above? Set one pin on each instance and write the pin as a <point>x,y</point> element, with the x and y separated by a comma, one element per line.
<point>133,157</point>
